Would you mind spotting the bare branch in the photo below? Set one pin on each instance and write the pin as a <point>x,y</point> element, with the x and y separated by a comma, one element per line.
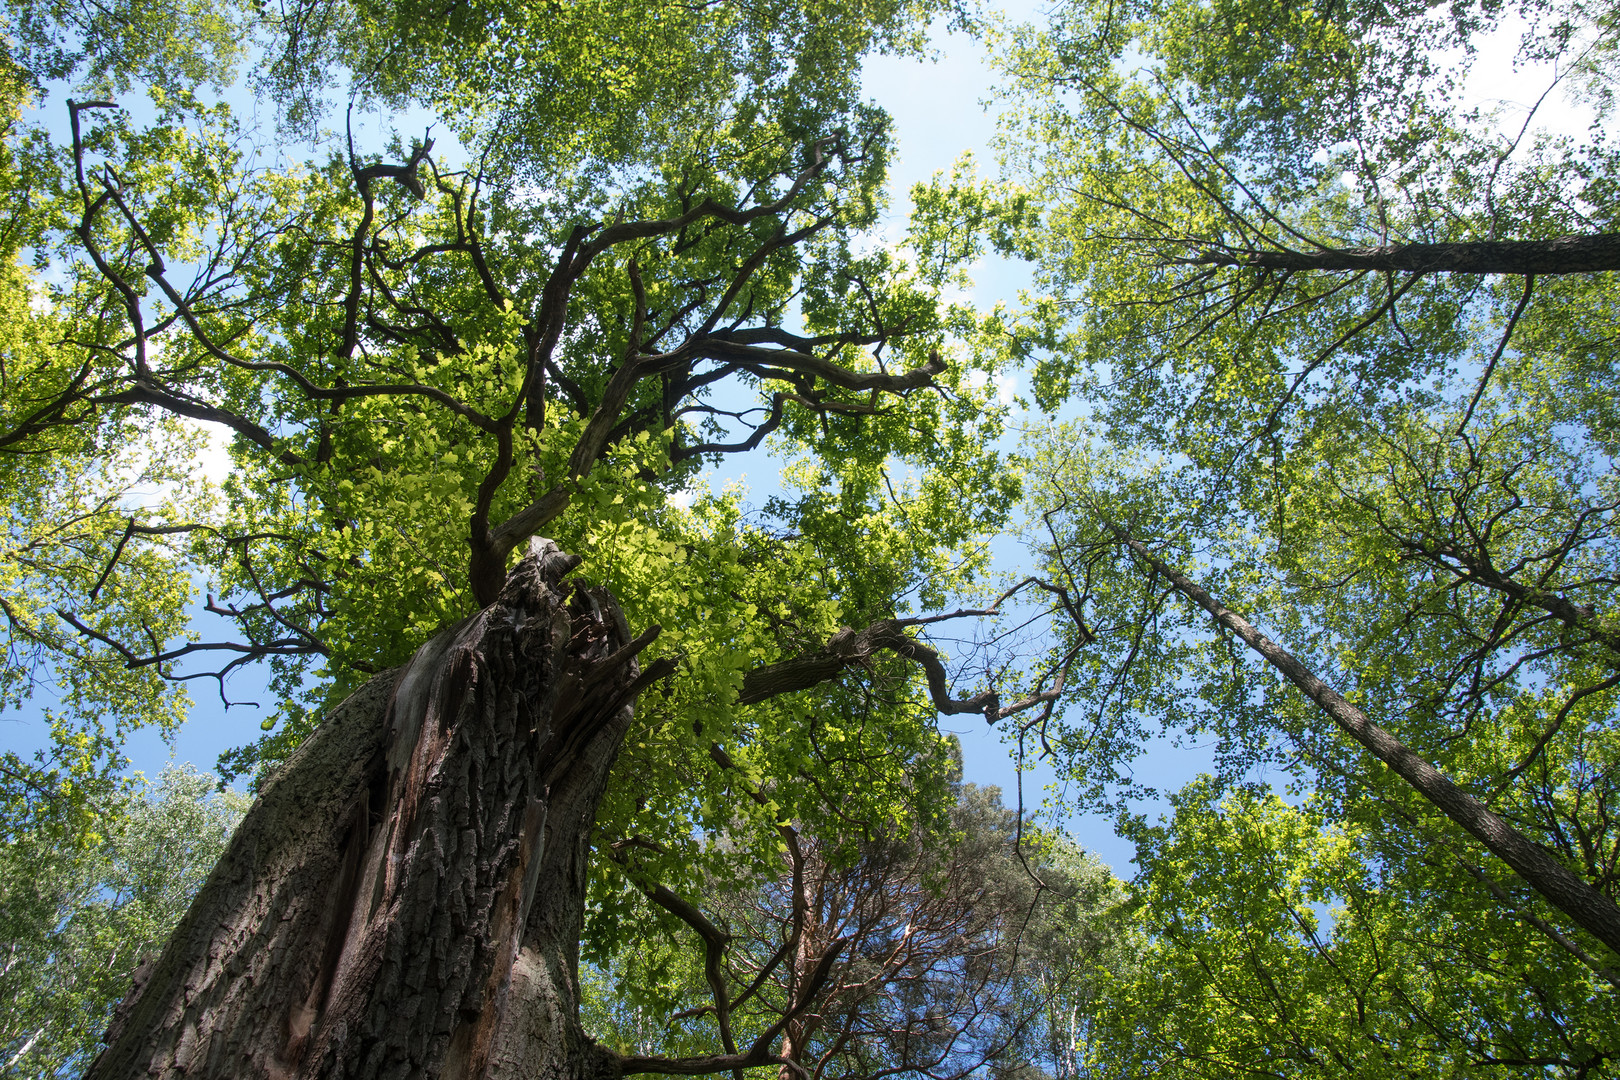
<point>850,648</point>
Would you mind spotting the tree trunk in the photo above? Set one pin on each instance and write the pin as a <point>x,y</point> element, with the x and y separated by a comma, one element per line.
<point>1563,888</point>
<point>405,898</point>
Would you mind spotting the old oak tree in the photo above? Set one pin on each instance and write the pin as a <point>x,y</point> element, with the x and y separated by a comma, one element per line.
<point>642,252</point>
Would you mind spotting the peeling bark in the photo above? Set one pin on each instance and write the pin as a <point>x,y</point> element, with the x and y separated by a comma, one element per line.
<point>405,898</point>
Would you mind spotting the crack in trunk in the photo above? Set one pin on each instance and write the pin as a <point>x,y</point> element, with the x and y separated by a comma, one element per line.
<point>406,896</point>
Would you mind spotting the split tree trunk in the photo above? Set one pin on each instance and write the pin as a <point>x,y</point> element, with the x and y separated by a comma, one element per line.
<point>405,898</point>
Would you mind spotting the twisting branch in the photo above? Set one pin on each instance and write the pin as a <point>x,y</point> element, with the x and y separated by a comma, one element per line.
<point>848,648</point>
<point>1470,568</point>
<point>248,651</point>
<point>489,556</point>
<point>715,944</point>
<point>369,300</point>
<point>715,941</point>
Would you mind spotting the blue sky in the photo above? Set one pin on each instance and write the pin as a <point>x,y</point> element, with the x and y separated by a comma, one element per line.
<point>939,110</point>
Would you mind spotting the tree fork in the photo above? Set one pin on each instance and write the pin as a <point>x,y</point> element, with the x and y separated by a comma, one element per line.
<point>1588,908</point>
<point>406,896</point>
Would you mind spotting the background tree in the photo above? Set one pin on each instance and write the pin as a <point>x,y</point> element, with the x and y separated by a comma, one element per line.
<point>1274,939</point>
<point>1336,341</point>
<point>65,484</point>
<point>77,921</point>
<point>1264,166</point>
<point>1506,701</point>
<point>923,948</point>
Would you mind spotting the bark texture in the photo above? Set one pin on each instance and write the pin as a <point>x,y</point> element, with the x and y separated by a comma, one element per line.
<point>405,898</point>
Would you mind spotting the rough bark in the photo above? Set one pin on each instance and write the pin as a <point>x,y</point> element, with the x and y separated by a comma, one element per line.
<point>1563,888</point>
<point>1562,255</point>
<point>405,898</point>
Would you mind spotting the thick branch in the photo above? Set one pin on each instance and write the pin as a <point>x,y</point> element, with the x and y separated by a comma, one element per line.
<point>703,1066</point>
<point>769,362</point>
<point>715,941</point>
<point>848,647</point>
<point>1573,615</point>
<point>1589,254</point>
<point>489,554</point>
<point>144,392</point>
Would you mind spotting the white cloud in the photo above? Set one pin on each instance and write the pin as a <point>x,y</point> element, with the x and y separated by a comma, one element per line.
<point>1006,385</point>
<point>964,294</point>
<point>214,458</point>
<point>695,487</point>
<point>39,297</point>
<point>1499,78</point>
<point>211,459</point>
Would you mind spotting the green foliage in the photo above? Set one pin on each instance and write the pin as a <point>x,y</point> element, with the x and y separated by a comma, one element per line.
<point>639,245</point>
<point>340,541</point>
<point>74,485</point>
<point>107,48</point>
<point>1272,940</point>
<point>79,913</point>
<point>1388,579</point>
<point>1155,135</point>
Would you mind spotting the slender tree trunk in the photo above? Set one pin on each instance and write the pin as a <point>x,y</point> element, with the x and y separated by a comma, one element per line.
<point>1563,255</point>
<point>405,898</point>
<point>1590,909</point>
